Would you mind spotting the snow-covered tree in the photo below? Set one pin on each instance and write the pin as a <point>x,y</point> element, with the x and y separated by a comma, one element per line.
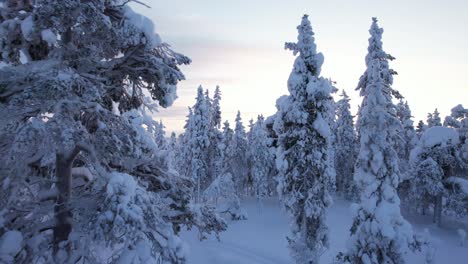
<point>272,143</point>
<point>379,233</point>
<point>216,137</point>
<point>238,159</point>
<point>458,119</point>
<point>78,163</point>
<point>214,153</point>
<point>346,149</point>
<point>420,128</point>
<point>426,184</point>
<point>226,146</point>
<point>434,161</point>
<point>304,165</point>
<point>222,194</point>
<point>407,138</point>
<point>261,159</point>
<point>160,135</point>
<point>433,119</point>
<point>198,142</point>
<point>216,109</point>
<point>173,150</point>
<point>183,156</point>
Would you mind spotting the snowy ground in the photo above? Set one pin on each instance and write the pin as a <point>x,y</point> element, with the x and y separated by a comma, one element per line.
<point>261,238</point>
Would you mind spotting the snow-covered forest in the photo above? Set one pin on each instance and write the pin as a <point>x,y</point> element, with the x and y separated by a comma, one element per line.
<point>88,173</point>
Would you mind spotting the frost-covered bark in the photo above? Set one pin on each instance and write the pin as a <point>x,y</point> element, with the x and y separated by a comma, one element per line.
<point>379,233</point>
<point>304,141</point>
<point>346,149</point>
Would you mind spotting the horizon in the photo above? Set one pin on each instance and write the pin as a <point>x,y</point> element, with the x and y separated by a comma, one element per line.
<point>242,51</point>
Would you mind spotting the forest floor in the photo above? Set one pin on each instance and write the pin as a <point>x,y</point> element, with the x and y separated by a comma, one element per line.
<point>261,238</point>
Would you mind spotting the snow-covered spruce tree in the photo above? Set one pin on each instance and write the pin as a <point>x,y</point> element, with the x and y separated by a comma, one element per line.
<point>458,119</point>
<point>272,143</point>
<point>346,149</point>
<point>173,150</point>
<point>75,174</point>
<point>183,156</point>
<point>387,74</point>
<point>433,119</point>
<point>198,142</point>
<point>222,192</point>
<point>407,138</point>
<point>303,162</point>
<point>216,109</point>
<point>379,233</point>
<point>420,128</point>
<point>216,134</point>
<point>426,185</point>
<point>227,147</point>
<point>160,135</point>
<point>261,159</point>
<point>238,157</point>
<point>214,155</point>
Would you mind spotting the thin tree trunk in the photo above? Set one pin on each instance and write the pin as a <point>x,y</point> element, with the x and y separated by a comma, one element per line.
<point>198,189</point>
<point>439,210</point>
<point>63,215</point>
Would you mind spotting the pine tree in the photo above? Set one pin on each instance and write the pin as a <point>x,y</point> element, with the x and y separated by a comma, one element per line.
<point>379,233</point>
<point>304,165</point>
<point>346,149</point>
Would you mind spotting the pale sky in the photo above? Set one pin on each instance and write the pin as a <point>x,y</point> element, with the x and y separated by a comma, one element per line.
<point>239,45</point>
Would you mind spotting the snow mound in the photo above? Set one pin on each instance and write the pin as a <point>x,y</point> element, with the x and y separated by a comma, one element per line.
<point>10,245</point>
<point>27,27</point>
<point>439,135</point>
<point>48,36</point>
<point>322,126</point>
<point>460,182</point>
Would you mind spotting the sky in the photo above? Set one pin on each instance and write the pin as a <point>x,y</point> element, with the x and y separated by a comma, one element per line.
<point>239,45</point>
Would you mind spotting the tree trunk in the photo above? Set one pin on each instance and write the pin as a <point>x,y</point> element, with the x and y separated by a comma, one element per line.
<point>63,215</point>
<point>438,212</point>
